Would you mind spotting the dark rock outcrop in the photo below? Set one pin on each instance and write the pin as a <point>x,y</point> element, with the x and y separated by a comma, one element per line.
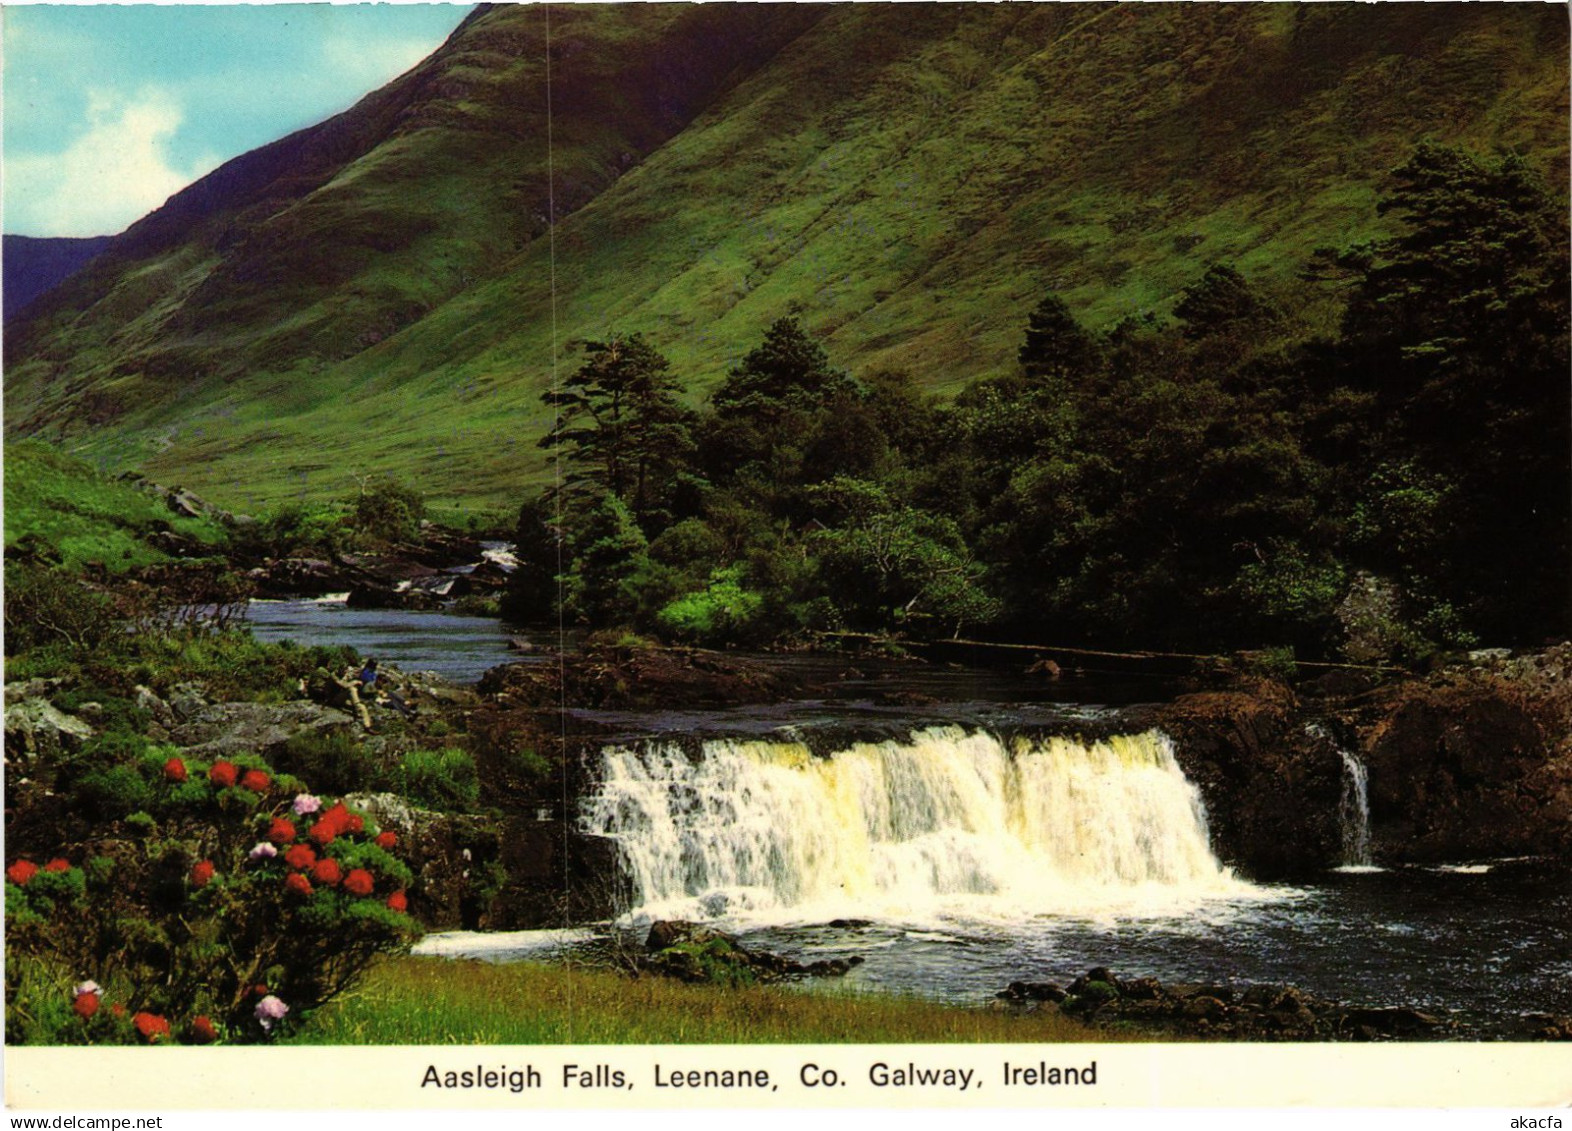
<point>1271,787</point>
<point>1255,1013</point>
<point>218,730</point>
<point>1472,761</point>
<point>1468,765</point>
<point>639,679</point>
<point>692,952</point>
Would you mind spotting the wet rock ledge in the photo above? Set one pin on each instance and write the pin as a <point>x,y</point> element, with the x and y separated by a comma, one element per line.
<point>692,952</point>
<point>1255,1013</point>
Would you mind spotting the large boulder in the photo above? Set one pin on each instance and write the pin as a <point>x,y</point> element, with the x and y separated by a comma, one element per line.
<point>219,730</point>
<point>36,728</point>
<point>1468,765</point>
<point>1271,784</point>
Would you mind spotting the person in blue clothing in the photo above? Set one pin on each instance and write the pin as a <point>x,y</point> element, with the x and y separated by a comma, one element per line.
<point>378,691</point>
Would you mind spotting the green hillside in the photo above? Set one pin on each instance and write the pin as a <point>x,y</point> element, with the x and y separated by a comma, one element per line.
<point>377,294</point>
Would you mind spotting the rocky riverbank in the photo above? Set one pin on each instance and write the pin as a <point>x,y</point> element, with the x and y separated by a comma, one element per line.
<point>1470,762</point>
<point>1251,1013</point>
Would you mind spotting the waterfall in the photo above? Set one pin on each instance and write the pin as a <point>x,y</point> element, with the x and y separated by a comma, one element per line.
<point>1354,812</point>
<point>1353,807</point>
<point>943,822</point>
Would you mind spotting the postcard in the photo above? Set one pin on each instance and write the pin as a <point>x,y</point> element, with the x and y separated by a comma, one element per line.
<point>777,557</point>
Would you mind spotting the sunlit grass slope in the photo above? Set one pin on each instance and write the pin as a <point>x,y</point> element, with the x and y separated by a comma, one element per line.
<point>67,509</point>
<point>439,1001</point>
<point>913,176</point>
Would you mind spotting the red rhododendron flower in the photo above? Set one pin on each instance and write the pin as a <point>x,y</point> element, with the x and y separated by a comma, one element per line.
<point>202,1030</point>
<point>359,882</point>
<point>175,770</point>
<point>151,1026</point>
<point>300,856</point>
<point>397,902</point>
<point>281,831</point>
<point>323,832</point>
<point>85,1005</point>
<point>256,781</point>
<point>386,840</point>
<point>58,864</point>
<point>260,989</point>
<point>327,872</point>
<point>355,824</point>
<point>337,818</point>
<point>297,883</point>
<point>201,874</point>
<point>223,774</point>
<point>20,872</point>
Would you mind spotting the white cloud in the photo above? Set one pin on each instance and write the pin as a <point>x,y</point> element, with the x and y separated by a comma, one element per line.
<point>112,174</point>
<point>372,62</point>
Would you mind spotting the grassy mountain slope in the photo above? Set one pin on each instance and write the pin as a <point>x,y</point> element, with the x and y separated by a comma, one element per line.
<point>63,511</point>
<point>377,295</point>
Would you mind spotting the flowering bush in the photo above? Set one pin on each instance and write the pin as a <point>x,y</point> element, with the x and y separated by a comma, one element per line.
<point>199,922</point>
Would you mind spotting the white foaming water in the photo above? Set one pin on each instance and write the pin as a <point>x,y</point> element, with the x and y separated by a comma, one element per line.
<point>943,825</point>
<point>1353,810</point>
<point>499,944</point>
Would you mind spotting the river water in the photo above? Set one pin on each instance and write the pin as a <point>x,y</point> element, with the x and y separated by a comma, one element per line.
<point>458,648</point>
<point>960,830</point>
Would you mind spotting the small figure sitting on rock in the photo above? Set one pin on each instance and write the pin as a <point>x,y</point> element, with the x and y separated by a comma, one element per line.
<point>379,691</point>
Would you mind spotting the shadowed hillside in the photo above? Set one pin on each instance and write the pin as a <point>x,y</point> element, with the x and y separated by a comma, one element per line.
<point>375,293</point>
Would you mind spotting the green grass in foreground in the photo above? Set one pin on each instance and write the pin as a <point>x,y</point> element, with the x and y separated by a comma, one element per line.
<point>441,1001</point>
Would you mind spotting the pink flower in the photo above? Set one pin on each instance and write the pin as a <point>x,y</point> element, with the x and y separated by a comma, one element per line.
<point>305,804</point>
<point>270,1010</point>
<point>264,850</point>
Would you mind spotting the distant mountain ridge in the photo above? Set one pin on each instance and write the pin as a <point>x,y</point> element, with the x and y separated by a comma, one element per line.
<point>375,293</point>
<point>35,265</point>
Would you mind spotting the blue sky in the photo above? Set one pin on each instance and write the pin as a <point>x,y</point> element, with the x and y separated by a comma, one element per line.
<point>111,109</point>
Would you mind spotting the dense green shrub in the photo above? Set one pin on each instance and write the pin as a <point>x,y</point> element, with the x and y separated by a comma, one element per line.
<point>334,761</point>
<point>45,606</point>
<point>440,779</point>
<point>390,511</point>
<point>723,612</point>
<point>243,905</point>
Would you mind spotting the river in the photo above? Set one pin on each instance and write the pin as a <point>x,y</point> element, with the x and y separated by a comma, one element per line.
<point>969,829</point>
